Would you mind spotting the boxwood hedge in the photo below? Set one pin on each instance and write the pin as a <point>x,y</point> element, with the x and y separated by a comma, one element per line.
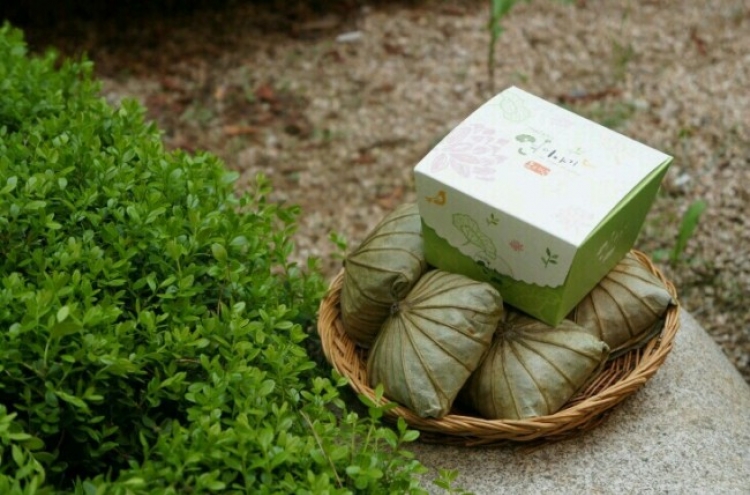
<point>151,325</point>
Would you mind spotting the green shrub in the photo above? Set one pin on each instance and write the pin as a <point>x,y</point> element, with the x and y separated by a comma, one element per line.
<point>150,321</point>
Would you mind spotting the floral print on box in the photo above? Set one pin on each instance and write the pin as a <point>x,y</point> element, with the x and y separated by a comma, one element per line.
<point>472,150</point>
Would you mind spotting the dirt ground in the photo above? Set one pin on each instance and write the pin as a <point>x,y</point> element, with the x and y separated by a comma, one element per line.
<point>337,101</point>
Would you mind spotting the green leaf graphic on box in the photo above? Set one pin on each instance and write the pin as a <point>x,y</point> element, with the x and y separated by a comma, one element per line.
<point>474,235</point>
<point>441,253</point>
<point>550,259</point>
<point>513,108</point>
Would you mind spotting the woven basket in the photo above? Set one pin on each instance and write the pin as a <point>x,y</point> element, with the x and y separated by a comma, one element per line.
<point>620,378</point>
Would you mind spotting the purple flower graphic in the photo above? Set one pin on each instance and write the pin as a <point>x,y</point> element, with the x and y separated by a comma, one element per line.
<point>472,151</point>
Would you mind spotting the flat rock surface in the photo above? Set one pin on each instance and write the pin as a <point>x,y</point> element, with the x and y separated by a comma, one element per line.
<point>686,431</point>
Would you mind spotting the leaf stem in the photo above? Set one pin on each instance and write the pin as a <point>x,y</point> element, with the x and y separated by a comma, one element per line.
<point>320,444</point>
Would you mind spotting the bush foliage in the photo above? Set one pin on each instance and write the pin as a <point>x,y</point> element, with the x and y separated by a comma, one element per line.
<point>150,321</point>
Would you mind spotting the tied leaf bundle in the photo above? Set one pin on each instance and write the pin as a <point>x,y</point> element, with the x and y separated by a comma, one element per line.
<point>533,369</point>
<point>434,340</point>
<point>381,272</point>
<point>626,308</point>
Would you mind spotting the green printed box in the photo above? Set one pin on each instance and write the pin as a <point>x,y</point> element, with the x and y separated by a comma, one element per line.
<point>536,200</point>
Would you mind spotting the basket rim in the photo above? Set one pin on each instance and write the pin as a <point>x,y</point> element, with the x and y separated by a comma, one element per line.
<point>626,374</point>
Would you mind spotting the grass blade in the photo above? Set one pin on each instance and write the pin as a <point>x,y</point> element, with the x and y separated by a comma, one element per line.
<point>687,228</point>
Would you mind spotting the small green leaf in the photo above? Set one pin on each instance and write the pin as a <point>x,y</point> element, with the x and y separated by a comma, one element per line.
<point>67,327</point>
<point>135,481</point>
<point>72,399</point>
<point>63,313</point>
<point>173,249</point>
<point>410,436</point>
<point>33,443</point>
<point>361,482</point>
<point>660,255</point>
<point>186,282</point>
<point>89,488</point>
<point>353,470</point>
<point>35,205</point>
<point>239,241</point>
<point>338,453</point>
<point>153,215</point>
<point>265,437</point>
<point>219,252</point>
<point>19,436</point>
<point>18,456</point>
<point>10,185</point>
<point>45,457</point>
<point>177,378</point>
<point>117,282</point>
<point>216,485</point>
<point>266,388</point>
<point>51,399</point>
<point>133,213</point>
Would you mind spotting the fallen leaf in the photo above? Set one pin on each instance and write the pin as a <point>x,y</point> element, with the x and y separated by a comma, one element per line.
<point>240,130</point>
<point>700,43</point>
<point>453,10</point>
<point>364,158</point>
<point>392,199</point>
<point>265,93</point>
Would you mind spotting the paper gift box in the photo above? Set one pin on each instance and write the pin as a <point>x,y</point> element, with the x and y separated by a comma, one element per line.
<point>536,200</point>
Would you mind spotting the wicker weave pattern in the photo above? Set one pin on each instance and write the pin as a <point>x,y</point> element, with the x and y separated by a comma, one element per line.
<point>621,378</point>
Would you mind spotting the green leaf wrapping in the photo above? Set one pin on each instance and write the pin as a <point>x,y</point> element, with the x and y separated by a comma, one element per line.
<point>434,340</point>
<point>626,308</point>
<point>381,272</point>
<point>533,369</point>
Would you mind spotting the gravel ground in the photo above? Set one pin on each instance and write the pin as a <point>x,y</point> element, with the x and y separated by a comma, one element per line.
<point>337,106</point>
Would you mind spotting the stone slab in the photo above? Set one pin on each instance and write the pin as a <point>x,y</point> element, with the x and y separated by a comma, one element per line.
<point>686,431</point>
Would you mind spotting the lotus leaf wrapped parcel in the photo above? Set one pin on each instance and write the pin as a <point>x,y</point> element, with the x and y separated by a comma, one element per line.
<point>626,309</point>
<point>433,341</point>
<point>533,369</point>
<point>381,272</point>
